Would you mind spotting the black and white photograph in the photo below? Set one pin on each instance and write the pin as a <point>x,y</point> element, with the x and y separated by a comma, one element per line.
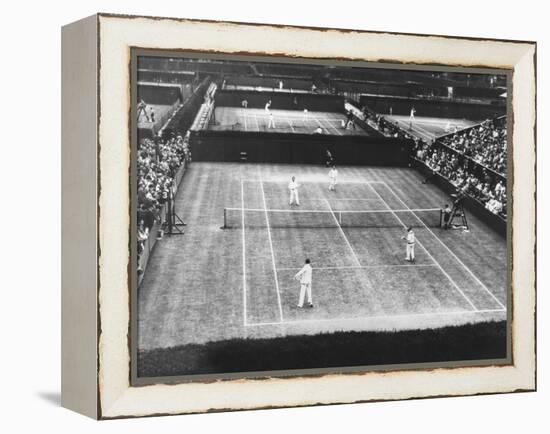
<point>294,217</point>
<point>242,217</point>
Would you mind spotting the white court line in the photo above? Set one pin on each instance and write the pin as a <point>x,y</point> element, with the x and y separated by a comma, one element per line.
<point>449,250</point>
<point>334,128</point>
<point>329,127</point>
<point>426,132</point>
<point>359,267</point>
<point>272,253</point>
<point>256,120</point>
<point>429,254</point>
<point>289,123</point>
<point>406,125</point>
<point>343,234</point>
<point>360,318</point>
<point>244,259</point>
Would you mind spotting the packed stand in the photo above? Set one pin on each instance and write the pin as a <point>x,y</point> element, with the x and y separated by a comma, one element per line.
<point>485,144</point>
<point>465,175</point>
<point>158,161</point>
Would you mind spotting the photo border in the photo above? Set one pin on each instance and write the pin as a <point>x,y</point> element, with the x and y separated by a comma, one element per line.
<point>116,398</point>
<point>135,380</point>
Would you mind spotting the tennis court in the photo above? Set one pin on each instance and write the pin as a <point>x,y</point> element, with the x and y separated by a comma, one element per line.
<point>240,284</point>
<point>286,121</point>
<point>357,253</point>
<point>428,128</point>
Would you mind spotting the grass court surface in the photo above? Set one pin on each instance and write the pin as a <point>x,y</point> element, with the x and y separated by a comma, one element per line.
<point>217,284</point>
<point>430,128</point>
<point>160,112</point>
<point>286,121</point>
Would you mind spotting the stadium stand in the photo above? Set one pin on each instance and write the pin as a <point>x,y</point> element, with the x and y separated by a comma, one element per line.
<point>485,144</point>
<point>473,161</point>
<point>160,166</point>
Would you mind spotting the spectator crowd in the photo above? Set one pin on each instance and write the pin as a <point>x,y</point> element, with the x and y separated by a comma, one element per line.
<point>158,161</point>
<point>473,160</point>
<point>485,144</point>
<point>466,176</point>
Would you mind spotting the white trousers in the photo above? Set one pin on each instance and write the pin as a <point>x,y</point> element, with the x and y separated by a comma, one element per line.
<point>294,197</point>
<point>271,123</point>
<point>305,288</point>
<point>332,184</point>
<point>410,252</point>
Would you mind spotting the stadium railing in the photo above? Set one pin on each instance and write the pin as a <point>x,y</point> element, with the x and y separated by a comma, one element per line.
<point>472,204</point>
<point>187,112</point>
<point>151,241</point>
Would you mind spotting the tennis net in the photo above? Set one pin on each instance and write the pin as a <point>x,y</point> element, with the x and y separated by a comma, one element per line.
<point>237,218</point>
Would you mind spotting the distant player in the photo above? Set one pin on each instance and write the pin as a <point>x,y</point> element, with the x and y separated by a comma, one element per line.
<point>142,110</point>
<point>268,106</point>
<point>350,120</point>
<point>332,175</point>
<point>152,115</point>
<point>244,103</point>
<point>329,158</point>
<point>447,211</point>
<point>271,120</point>
<point>293,188</point>
<point>411,118</point>
<point>304,277</point>
<point>280,84</point>
<point>305,116</point>
<point>318,130</point>
<point>411,240</point>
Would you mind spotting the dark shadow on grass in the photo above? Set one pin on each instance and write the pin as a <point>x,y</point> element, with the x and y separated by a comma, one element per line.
<point>481,341</point>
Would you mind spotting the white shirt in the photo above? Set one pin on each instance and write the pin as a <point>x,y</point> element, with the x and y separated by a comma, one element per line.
<point>305,274</point>
<point>333,173</point>
<point>267,107</point>
<point>410,237</point>
<point>292,185</point>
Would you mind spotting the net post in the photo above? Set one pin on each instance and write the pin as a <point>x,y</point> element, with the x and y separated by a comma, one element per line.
<point>224,218</point>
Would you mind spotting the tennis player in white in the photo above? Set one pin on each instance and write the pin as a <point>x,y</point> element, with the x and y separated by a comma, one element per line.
<point>411,117</point>
<point>304,277</point>
<point>293,187</point>
<point>305,116</point>
<point>411,240</point>
<point>332,175</point>
<point>271,120</point>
